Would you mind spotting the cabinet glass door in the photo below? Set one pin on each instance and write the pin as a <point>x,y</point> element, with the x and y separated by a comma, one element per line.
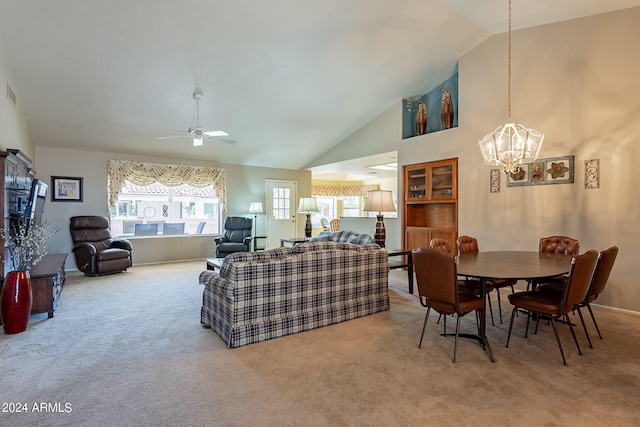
<point>442,181</point>
<point>416,183</point>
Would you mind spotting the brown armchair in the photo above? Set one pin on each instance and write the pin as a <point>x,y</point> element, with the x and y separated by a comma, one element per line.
<point>96,252</point>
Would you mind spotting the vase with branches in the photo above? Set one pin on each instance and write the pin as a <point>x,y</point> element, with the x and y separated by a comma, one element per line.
<point>24,247</point>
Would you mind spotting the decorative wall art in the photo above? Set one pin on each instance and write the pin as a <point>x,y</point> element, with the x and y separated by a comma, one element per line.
<point>66,189</point>
<point>437,110</point>
<point>592,174</point>
<point>494,181</point>
<point>556,170</point>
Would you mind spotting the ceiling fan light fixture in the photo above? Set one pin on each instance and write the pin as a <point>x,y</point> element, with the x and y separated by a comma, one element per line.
<point>197,141</point>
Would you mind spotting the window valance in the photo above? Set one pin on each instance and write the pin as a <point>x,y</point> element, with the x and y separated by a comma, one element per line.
<point>353,190</point>
<point>141,173</point>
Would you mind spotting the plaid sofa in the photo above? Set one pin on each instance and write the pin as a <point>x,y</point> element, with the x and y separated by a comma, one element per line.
<point>258,296</point>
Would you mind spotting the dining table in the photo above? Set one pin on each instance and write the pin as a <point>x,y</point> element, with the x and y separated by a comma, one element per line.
<point>518,265</point>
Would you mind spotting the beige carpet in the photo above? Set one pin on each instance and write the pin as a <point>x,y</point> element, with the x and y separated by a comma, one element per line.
<point>128,350</point>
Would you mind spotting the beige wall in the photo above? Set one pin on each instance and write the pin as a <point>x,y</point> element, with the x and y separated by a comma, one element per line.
<point>244,185</point>
<point>577,81</point>
<point>13,127</point>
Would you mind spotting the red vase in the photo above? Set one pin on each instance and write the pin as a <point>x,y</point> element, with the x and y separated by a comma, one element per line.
<point>16,302</point>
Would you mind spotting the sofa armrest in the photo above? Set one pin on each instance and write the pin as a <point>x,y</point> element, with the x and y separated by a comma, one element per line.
<point>122,244</point>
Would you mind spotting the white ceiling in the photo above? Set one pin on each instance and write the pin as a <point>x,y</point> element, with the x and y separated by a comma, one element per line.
<point>287,79</point>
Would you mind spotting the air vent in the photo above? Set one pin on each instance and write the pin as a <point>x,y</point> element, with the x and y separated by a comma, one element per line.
<point>11,95</point>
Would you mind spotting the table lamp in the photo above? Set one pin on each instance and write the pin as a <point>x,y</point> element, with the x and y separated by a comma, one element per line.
<point>308,205</point>
<point>255,208</point>
<point>379,201</point>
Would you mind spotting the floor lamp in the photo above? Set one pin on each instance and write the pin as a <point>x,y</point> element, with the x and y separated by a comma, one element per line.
<point>379,201</point>
<point>308,205</point>
<point>255,208</point>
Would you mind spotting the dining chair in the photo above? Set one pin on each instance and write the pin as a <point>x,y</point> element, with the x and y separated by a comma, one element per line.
<point>145,229</point>
<point>334,224</point>
<point>440,244</point>
<point>557,245</point>
<point>556,307</point>
<point>438,282</point>
<point>469,245</point>
<point>173,228</point>
<point>200,227</point>
<point>606,259</point>
<point>438,289</point>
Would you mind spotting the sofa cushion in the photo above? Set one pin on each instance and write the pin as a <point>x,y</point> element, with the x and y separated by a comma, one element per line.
<point>360,239</point>
<point>343,236</point>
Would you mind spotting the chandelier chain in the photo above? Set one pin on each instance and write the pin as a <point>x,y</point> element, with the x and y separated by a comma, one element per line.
<point>509,69</point>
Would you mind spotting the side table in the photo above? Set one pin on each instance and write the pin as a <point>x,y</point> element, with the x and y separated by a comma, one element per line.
<point>293,240</point>
<point>214,263</point>
<point>405,262</point>
<point>255,243</point>
<point>47,280</point>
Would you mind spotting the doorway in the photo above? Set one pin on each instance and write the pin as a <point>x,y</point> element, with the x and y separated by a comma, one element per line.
<point>280,211</point>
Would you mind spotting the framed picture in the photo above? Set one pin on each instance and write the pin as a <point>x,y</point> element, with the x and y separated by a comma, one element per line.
<point>66,189</point>
<point>556,170</point>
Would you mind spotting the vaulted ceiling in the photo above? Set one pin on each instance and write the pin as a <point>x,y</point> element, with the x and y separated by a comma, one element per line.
<point>287,79</point>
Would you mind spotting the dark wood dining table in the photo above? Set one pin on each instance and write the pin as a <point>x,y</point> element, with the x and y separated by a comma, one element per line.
<point>534,266</point>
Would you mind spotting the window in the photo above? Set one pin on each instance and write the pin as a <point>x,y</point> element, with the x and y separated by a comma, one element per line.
<point>160,204</point>
<point>190,198</point>
<point>281,203</point>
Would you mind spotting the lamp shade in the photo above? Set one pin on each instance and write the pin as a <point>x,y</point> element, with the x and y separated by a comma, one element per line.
<point>380,201</point>
<point>255,207</point>
<point>308,205</point>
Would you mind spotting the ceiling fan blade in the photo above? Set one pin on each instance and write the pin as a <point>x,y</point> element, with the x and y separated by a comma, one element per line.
<point>223,140</point>
<point>171,137</point>
<point>216,133</point>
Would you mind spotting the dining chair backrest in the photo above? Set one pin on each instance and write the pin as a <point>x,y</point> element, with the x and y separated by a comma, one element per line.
<point>436,275</point>
<point>601,275</point>
<point>200,228</point>
<point>175,228</point>
<point>559,245</point>
<point>334,224</point>
<point>582,268</point>
<point>145,229</point>
<point>440,244</point>
<point>467,245</point>
<point>128,226</point>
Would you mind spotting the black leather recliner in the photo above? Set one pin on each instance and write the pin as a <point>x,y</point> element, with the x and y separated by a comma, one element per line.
<point>96,252</point>
<point>236,237</point>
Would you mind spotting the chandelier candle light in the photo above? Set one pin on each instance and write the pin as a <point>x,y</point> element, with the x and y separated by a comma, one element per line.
<point>511,144</point>
<point>308,205</point>
<point>380,201</point>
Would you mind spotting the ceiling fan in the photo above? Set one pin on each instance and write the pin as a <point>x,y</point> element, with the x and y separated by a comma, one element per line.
<point>197,132</point>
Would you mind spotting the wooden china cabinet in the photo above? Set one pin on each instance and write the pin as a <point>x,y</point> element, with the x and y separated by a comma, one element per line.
<point>47,277</point>
<point>431,203</point>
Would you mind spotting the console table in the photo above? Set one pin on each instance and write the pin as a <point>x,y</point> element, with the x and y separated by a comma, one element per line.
<point>47,279</point>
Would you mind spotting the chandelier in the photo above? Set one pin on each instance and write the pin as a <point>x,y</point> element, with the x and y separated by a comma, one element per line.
<point>511,144</point>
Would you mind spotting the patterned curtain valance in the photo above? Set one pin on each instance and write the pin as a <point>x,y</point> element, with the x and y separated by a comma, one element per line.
<point>333,190</point>
<point>141,173</point>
